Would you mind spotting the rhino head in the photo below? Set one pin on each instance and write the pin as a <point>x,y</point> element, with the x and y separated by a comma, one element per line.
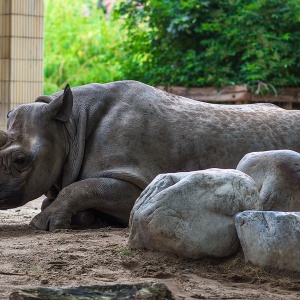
<point>33,149</point>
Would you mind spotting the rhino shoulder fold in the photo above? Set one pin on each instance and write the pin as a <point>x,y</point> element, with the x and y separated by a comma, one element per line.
<point>43,99</point>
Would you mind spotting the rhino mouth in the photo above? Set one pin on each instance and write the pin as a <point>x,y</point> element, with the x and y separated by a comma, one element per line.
<point>10,202</point>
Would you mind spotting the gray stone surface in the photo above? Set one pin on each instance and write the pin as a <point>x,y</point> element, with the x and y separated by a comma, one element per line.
<point>270,239</point>
<point>192,213</point>
<point>142,291</point>
<point>277,175</point>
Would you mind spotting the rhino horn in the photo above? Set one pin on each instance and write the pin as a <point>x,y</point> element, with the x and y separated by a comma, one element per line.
<point>3,138</point>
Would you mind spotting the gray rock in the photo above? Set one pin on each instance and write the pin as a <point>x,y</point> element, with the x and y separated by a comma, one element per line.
<point>270,239</point>
<point>142,291</point>
<point>277,176</point>
<point>192,213</point>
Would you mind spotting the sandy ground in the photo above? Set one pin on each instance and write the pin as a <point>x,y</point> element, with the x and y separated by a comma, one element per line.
<point>30,258</point>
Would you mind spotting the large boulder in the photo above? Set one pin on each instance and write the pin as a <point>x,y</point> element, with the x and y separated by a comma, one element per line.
<point>277,176</point>
<point>192,213</point>
<point>270,239</point>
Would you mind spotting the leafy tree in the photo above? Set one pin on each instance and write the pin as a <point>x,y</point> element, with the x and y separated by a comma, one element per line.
<point>212,43</point>
<point>81,45</point>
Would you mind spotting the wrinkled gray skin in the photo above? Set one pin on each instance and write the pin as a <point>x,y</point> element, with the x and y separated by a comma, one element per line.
<point>102,148</point>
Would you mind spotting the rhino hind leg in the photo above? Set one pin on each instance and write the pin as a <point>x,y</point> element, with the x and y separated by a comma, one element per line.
<point>92,218</point>
<point>46,202</point>
<point>113,197</point>
<point>84,218</point>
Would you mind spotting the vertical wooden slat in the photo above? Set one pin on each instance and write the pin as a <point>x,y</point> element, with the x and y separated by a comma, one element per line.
<point>21,53</point>
<point>5,34</point>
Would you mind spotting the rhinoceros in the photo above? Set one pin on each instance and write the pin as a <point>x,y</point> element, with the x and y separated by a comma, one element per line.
<point>98,146</point>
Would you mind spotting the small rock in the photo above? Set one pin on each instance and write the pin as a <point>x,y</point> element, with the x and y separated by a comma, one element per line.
<point>140,291</point>
<point>270,239</point>
<point>44,280</point>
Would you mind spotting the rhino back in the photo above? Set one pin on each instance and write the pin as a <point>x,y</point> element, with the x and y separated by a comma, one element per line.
<point>133,129</point>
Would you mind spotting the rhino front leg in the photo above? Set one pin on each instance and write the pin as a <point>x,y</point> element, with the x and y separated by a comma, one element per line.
<point>84,218</point>
<point>111,196</point>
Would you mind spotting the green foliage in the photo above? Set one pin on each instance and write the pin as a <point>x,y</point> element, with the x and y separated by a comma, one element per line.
<point>212,43</point>
<point>125,252</point>
<point>81,45</point>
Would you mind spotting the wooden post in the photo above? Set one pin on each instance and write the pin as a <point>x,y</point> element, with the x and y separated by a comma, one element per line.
<point>21,53</point>
<point>238,94</point>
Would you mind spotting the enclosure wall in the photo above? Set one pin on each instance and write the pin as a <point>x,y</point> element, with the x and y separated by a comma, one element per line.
<point>21,53</point>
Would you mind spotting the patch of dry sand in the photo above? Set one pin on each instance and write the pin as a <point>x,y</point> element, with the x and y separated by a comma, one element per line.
<point>65,258</point>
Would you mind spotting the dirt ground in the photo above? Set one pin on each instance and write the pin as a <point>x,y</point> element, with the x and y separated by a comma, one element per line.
<point>64,258</point>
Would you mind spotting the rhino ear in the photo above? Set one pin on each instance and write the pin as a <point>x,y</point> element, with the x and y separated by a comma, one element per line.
<point>61,107</point>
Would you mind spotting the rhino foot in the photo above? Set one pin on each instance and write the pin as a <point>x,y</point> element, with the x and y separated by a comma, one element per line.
<point>83,219</point>
<point>47,220</point>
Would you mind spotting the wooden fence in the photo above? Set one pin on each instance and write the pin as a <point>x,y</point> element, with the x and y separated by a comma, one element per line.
<point>21,53</point>
<point>288,98</point>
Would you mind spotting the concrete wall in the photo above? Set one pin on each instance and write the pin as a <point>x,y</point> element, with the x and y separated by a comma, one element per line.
<point>21,53</point>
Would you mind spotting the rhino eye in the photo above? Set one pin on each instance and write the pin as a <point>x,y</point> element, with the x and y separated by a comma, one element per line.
<point>20,161</point>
